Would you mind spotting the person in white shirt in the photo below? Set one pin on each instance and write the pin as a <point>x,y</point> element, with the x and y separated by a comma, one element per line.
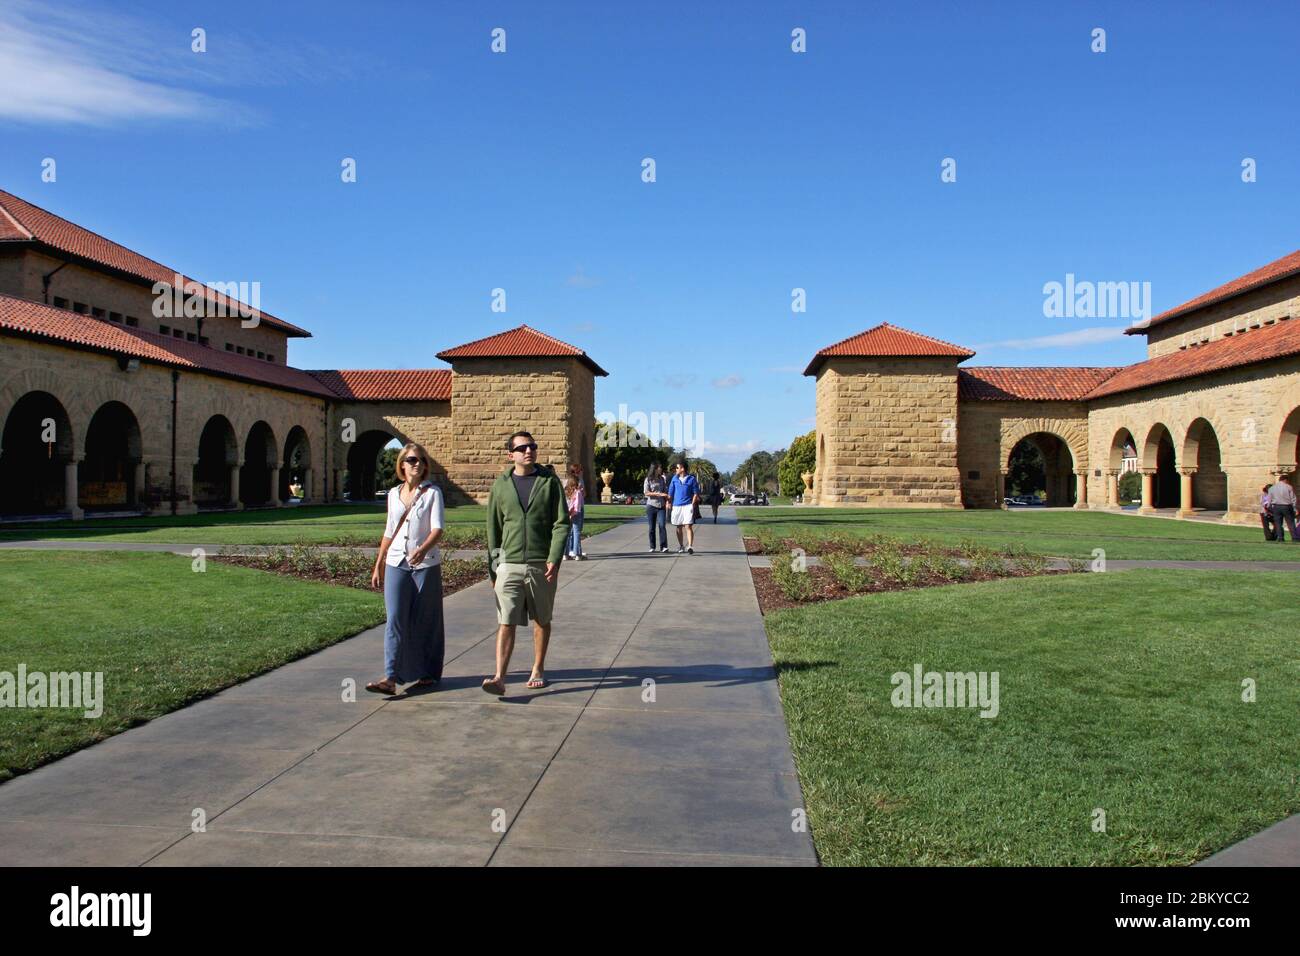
<point>408,568</point>
<point>1281,499</point>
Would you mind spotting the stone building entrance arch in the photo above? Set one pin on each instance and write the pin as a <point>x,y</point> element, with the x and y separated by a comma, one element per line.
<point>1057,471</point>
<point>1063,443</point>
<point>363,464</point>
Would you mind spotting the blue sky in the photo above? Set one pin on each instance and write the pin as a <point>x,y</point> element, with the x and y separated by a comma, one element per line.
<point>775,170</point>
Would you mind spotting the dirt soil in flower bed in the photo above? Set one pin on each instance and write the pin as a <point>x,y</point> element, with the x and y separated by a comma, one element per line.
<point>861,547</point>
<point>456,575</point>
<point>824,587</point>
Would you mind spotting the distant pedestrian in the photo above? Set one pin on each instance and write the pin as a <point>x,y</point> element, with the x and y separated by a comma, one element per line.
<point>573,498</point>
<point>527,527</point>
<point>715,495</point>
<point>684,493</point>
<point>1266,515</point>
<point>656,507</point>
<point>575,472</point>
<point>408,569</point>
<point>1281,499</point>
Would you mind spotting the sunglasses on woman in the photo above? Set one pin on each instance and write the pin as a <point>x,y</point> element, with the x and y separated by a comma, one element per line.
<point>412,460</point>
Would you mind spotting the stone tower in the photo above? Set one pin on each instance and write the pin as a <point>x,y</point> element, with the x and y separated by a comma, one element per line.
<point>521,379</point>
<point>887,420</point>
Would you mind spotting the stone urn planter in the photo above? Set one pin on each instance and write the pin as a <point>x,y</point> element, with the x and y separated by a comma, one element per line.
<point>606,494</point>
<point>808,497</point>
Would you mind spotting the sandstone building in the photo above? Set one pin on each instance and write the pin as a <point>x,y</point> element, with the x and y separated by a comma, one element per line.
<point>107,405</point>
<point>1213,412</point>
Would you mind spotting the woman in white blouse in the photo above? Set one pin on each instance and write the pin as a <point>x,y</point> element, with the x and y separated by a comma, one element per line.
<point>409,570</point>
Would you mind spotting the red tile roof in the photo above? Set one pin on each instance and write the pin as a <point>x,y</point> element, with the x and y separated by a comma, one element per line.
<point>21,221</point>
<point>1006,384</point>
<point>1244,348</point>
<point>521,342</point>
<point>32,319</point>
<point>888,341</point>
<point>398,385</point>
<point>1275,271</point>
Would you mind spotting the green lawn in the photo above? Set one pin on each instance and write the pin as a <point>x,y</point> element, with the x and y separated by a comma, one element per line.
<point>161,633</point>
<point>359,525</point>
<point>1068,534</point>
<point>1117,691</point>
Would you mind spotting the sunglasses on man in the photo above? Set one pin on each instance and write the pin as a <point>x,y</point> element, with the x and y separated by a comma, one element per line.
<point>528,446</point>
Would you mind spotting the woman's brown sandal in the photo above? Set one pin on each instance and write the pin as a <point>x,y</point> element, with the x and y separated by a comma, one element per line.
<point>382,687</point>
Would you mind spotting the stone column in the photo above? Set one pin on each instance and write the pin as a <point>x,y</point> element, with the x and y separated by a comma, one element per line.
<point>141,485</point>
<point>306,485</point>
<point>1003,477</point>
<point>70,490</point>
<point>336,489</point>
<point>1148,491</point>
<point>1112,489</point>
<point>234,486</point>
<point>1185,493</point>
<point>1080,490</point>
<point>275,501</point>
<point>184,487</point>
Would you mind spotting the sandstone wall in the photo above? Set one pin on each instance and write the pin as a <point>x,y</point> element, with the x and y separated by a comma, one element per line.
<point>890,430</point>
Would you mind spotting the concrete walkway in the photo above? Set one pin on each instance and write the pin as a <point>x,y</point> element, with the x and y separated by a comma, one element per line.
<point>1279,845</point>
<point>661,740</point>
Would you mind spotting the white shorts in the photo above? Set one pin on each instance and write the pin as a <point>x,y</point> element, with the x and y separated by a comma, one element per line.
<point>683,514</point>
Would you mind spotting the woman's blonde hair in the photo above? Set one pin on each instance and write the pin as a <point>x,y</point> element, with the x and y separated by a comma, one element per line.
<point>420,452</point>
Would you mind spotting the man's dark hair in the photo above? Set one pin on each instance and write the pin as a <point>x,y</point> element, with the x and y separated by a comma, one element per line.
<point>510,442</point>
<point>683,462</point>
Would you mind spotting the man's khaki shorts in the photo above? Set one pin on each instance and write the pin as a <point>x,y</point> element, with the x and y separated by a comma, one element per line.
<point>523,592</point>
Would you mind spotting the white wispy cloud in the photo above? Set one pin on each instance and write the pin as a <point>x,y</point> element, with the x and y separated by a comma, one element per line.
<point>85,65</point>
<point>1061,340</point>
<point>729,381</point>
<point>580,280</point>
<point>732,448</point>
<point>679,379</point>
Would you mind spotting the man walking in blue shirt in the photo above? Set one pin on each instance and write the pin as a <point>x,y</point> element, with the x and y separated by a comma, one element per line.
<point>684,492</point>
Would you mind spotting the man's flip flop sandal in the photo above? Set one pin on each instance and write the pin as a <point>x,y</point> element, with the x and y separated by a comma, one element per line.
<point>496,688</point>
<point>537,682</point>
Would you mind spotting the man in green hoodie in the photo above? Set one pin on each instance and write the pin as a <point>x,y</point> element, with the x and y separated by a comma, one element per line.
<point>527,527</point>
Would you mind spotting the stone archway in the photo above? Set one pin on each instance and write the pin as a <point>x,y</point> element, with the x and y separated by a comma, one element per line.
<point>1161,483</point>
<point>111,475</point>
<point>216,469</point>
<point>38,470</point>
<point>1204,483</point>
<point>259,474</point>
<point>1123,447</point>
<point>1049,468</point>
<point>295,470</point>
<point>1288,445</point>
<point>363,464</point>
